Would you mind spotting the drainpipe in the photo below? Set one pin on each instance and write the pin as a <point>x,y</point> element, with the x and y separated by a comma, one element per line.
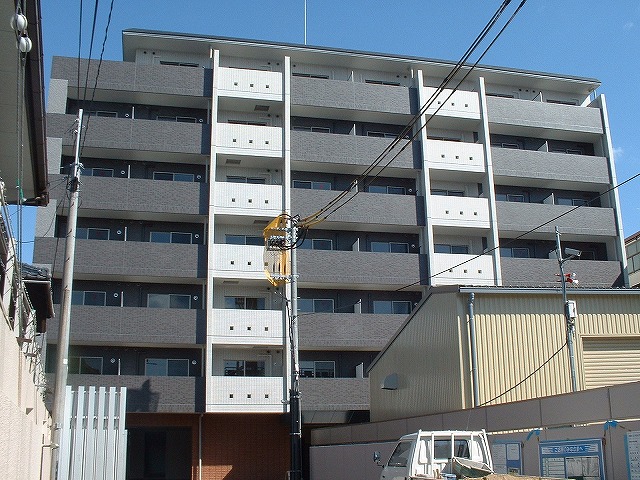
<point>200,447</point>
<point>474,361</point>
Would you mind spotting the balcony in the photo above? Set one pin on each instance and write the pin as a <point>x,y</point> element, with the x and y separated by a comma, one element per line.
<point>246,327</point>
<point>347,331</point>
<point>464,212</point>
<point>337,394</point>
<point>245,394</point>
<point>127,261</point>
<point>455,156</point>
<point>101,196</point>
<point>127,78</point>
<point>251,140</point>
<point>595,222</point>
<point>95,325</point>
<point>524,117</point>
<point>238,261</point>
<point>318,268</point>
<point>462,104</point>
<point>317,95</point>
<point>150,394</point>
<point>477,270</point>
<point>379,212</point>
<point>325,151</point>
<point>248,199</point>
<point>541,272</point>
<point>552,170</point>
<point>252,84</point>
<point>134,137</point>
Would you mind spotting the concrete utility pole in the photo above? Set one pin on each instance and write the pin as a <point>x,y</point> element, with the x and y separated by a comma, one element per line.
<point>294,393</point>
<point>569,309</point>
<point>62,366</point>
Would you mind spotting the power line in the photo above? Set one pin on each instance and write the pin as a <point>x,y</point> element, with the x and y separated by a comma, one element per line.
<point>93,31</point>
<point>314,218</point>
<point>521,235</point>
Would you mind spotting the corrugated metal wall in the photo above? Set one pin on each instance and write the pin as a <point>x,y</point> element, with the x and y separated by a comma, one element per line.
<point>610,361</point>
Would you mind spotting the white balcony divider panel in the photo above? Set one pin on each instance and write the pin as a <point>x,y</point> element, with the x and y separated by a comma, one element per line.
<point>462,104</point>
<point>248,199</point>
<point>245,394</point>
<point>94,441</point>
<point>246,83</point>
<point>252,140</point>
<point>468,212</point>
<point>246,327</point>
<point>478,271</point>
<point>239,261</point>
<point>457,156</point>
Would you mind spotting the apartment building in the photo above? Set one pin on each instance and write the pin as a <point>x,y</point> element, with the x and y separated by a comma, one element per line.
<point>192,144</point>
<point>632,244</point>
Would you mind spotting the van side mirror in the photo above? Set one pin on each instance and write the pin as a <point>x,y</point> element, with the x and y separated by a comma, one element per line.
<point>376,458</point>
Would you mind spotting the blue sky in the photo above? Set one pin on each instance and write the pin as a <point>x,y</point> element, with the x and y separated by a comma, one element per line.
<point>585,38</point>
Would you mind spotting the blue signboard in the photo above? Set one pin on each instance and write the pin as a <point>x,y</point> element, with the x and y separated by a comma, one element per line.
<point>582,459</point>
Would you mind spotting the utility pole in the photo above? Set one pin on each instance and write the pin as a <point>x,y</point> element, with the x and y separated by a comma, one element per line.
<point>62,366</point>
<point>569,309</point>
<point>294,392</point>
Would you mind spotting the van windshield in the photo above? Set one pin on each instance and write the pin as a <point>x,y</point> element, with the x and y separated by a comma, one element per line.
<point>400,455</point>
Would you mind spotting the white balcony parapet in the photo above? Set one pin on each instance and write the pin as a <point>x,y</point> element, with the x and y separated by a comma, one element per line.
<point>467,212</point>
<point>247,83</point>
<point>477,271</point>
<point>463,104</point>
<point>238,261</point>
<point>246,327</point>
<point>245,394</point>
<point>460,156</point>
<point>252,140</point>
<point>248,199</point>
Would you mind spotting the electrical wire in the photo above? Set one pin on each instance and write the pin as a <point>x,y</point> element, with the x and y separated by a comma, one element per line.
<point>315,218</point>
<point>510,241</point>
<point>93,31</point>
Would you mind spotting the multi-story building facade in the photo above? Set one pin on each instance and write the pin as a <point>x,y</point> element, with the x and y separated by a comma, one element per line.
<point>632,244</point>
<point>192,144</point>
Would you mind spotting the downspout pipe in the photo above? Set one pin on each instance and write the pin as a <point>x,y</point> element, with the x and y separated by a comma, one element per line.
<point>200,447</point>
<point>474,353</point>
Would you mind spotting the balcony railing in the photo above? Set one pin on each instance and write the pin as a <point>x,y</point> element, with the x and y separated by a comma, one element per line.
<point>476,270</point>
<point>248,199</point>
<point>457,156</point>
<point>254,140</point>
<point>246,327</point>
<point>461,104</point>
<point>246,83</point>
<point>239,261</point>
<point>466,212</point>
<point>245,394</point>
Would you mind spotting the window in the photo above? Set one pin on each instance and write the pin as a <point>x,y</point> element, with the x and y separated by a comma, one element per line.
<point>317,369</point>
<point>515,252</point>
<point>511,197</point>
<point>170,237</point>
<point>400,455</point>
<point>103,113</point>
<point>166,367</point>
<point>447,193</point>
<point>245,303</point>
<point>242,179</point>
<point>392,306</point>
<point>92,233</point>
<point>244,368</point>
<point>88,297</point>
<point>573,202</point>
<point>247,122</point>
<point>317,244</point>
<point>309,75</point>
<point>311,185</point>
<point>390,247</point>
<point>382,82</point>
<point>393,190</point>
<point>454,249</point>
<point>85,365</point>
<point>244,240</point>
<point>173,176</point>
<point>97,172</point>
<point>315,305</point>
<point>442,449</point>
<point>301,128</point>
<point>180,119</point>
<point>168,300</point>
<point>179,64</point>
